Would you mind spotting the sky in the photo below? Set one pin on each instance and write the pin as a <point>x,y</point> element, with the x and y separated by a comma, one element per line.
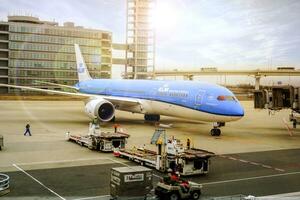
<point>191,34</point>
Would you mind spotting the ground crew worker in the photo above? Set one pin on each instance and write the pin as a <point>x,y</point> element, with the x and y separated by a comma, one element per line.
<point>185,186</point>
<point>188,143</point>
<point>172,178</point>
<point>167,179</point>
<point>116,127</point>
<point>27,129</point>
<point>175,176</point>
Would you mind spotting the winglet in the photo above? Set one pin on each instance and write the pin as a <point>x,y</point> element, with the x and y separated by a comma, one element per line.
<point>82,71</point>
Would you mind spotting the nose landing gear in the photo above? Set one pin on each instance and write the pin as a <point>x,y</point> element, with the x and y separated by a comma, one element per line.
<point>216,131</point>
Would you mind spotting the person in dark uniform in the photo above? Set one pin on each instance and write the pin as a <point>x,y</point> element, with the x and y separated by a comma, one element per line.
<point>27,129</point>
<point>116,126</point>
<point>188,143</point>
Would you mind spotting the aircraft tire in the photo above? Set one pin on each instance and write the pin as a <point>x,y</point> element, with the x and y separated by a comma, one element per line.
<point>218,132</point>
<point>215,132</point>
<point>154,118</point>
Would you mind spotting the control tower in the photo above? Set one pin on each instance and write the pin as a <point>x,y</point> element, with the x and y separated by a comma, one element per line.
<point>140,40</point>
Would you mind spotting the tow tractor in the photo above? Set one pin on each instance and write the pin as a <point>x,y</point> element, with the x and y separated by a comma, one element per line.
<point>100,140</point>
<point>171,154</point>
<point>164,191</point>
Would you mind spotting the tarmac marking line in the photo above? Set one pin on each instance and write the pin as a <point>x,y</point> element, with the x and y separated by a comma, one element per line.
<point>252,163</point>
<point>95,197</point>
<point>281,170</point>
<point>62,161</point>
<point>39,182</point>
<point>116,161</point>
<point>251,178</point>
<point>267,166</point>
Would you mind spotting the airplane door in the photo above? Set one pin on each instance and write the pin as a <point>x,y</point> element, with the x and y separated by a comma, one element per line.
<point>199,98</point>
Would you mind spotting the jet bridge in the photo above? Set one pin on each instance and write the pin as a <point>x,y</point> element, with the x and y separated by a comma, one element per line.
<point>280,97</point>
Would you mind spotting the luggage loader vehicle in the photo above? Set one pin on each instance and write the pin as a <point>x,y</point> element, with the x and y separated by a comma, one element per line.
<point>170,154</point>
<point>96,139</point>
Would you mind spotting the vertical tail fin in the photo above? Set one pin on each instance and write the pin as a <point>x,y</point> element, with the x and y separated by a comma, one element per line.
<point>82,71</point>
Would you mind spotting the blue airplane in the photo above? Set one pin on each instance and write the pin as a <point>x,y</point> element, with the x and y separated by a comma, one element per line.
<point>184,99</point>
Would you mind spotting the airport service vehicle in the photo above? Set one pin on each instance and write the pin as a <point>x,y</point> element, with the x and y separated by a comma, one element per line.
<point>167,191</point>
<point>100,140</point>
<point>193,100</point>
<point>129,183</point>
<point>280,97</point>
<point>171,154</point>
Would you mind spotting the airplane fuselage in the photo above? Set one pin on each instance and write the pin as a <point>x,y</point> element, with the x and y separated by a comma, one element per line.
<point>186,99</point>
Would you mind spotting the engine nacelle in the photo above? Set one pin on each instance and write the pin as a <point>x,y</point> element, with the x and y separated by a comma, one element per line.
<point>101,109</point>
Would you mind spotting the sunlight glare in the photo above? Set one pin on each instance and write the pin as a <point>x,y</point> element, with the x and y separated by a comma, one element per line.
<point>165,17</point>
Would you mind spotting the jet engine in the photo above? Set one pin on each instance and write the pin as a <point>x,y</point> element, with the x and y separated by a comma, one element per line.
<point>101,109</point>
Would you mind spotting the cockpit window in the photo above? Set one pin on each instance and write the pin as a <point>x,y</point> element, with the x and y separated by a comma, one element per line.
<point>226,98</point>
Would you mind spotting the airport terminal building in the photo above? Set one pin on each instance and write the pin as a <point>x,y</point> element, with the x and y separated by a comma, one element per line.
<point>32,50</point>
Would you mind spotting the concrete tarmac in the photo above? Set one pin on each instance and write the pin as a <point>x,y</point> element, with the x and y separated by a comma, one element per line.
<point>256,155</point>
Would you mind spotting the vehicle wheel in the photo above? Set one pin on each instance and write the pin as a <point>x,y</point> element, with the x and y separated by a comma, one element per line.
<point>174,196</point>
<point>218,132</point>
<point>215,132</point>
<point>195,195</point>
<point>152,117</point>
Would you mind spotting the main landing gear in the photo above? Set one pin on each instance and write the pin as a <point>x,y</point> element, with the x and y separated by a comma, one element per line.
<point>153,118</point>
<point>216,131</point>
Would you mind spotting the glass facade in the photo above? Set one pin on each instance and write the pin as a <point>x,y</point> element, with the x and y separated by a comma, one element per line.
<point>46,52</point>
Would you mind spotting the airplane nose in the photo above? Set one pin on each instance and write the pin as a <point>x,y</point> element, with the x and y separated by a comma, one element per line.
<point>235,110</point>
<point>238,111</point>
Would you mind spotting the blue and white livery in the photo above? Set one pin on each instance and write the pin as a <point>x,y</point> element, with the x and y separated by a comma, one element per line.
<point>184,99</point>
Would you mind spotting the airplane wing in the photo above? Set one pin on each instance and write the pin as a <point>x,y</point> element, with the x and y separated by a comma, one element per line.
<point>46,91</point>
<point>60,85</point>
<point>124,101</point>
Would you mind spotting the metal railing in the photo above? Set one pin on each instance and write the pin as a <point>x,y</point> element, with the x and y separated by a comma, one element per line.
<point>4,182</point>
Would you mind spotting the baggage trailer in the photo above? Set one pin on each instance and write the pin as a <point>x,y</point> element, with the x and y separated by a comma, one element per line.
<point>170,155</point>
<point>134,182</point>
<point>101,141</point>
